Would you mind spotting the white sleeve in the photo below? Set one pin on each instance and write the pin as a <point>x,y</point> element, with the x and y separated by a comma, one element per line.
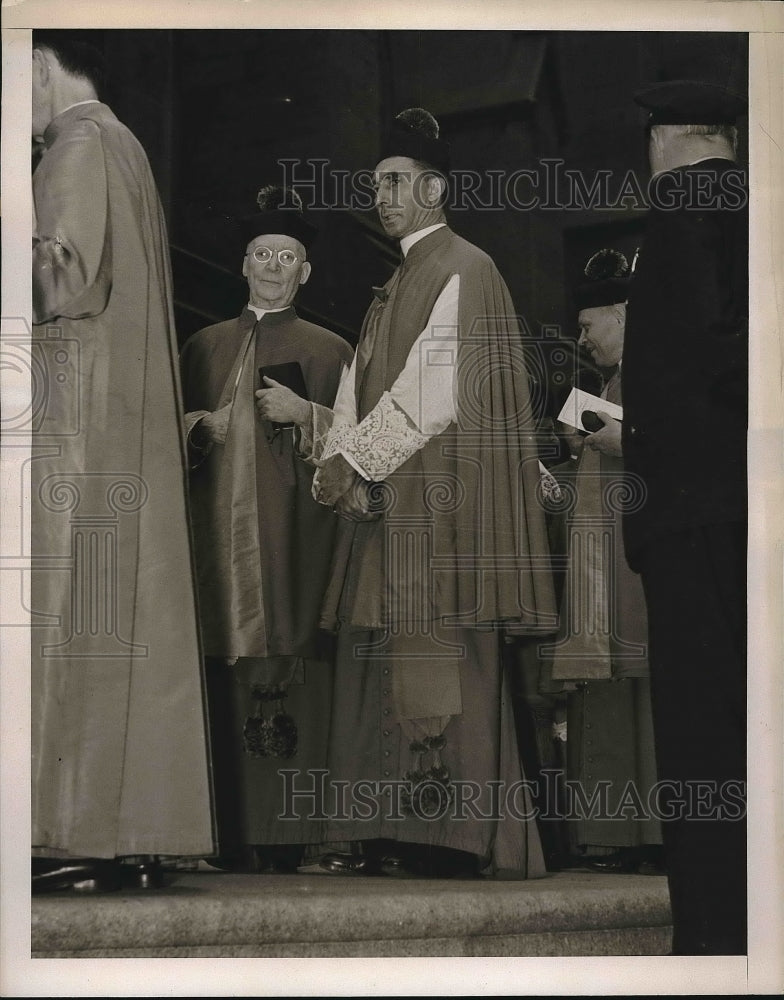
<point>420,404</point>
<point>312,440</point>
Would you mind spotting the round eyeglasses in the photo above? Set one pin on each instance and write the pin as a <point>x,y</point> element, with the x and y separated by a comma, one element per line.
<point>286,258</point>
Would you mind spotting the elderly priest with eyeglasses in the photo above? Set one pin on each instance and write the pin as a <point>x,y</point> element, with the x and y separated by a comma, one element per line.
<point>263,544</point>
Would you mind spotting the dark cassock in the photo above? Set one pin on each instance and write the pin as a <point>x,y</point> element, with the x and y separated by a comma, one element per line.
<point>434,415</point>
<point>263,550</point>
<point>119,744</point>
<point>685,396</point>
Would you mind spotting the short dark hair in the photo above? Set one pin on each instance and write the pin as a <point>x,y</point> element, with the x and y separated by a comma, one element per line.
<point>76,54</point>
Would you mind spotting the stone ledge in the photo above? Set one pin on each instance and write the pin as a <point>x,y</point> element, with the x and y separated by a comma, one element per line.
<point>213,914</point>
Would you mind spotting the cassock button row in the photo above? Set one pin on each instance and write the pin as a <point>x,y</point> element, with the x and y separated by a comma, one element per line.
<point>385,671</point>
<point>386,775</point>
<point>387,732</point>
<point>387,753</point>
<point>386,691</point>
<point>387,711</point>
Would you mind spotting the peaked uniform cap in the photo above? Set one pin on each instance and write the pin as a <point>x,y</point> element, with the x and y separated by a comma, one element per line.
<point>690,102</point>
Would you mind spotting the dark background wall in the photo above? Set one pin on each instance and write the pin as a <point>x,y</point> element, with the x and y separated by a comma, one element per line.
<point>218,110</point>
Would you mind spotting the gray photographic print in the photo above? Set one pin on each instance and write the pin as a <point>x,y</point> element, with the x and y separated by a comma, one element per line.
<point>390,432</point>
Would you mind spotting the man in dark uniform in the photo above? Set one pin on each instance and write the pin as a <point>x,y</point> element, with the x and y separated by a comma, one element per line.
<point>684,434</point>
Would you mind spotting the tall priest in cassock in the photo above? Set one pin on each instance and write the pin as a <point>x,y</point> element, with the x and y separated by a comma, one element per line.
<point>263,544</point>
<point>431,461</point>
<point>120,768</point>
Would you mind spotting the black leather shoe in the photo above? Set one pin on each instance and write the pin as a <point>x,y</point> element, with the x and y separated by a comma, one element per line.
<point>142,875</point>
<point>338,863</point>
<point>426,861</point>
<point>618,863</point>
<point>652,861</point>
<point>85,875</point>
<point>651,868</point>
<point>394,866</point>
<point>277,859</point>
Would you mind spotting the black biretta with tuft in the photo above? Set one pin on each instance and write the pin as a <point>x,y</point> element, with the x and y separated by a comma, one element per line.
<point>415,133</point>
<point>280,212</point>
<point>607,281</point>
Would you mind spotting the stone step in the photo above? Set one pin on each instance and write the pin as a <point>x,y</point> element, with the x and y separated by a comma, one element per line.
<point>207,913</point>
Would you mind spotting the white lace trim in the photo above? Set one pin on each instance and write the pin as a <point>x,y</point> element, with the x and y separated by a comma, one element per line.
<point>311,438</point>
<point>549,485</point>
<point>381,443</point>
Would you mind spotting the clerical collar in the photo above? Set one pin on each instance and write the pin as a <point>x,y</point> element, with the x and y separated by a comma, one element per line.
<point>408,241</point>
<point>64,119</point>
<point>90,100</point>
<point>261,312</point>
<point>693,163</point>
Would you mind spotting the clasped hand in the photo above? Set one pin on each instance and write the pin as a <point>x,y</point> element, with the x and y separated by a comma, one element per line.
<point>608,439</point>
<point>339,486</point>
<point>215,426</point>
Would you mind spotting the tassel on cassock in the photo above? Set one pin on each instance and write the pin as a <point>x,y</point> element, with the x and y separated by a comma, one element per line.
<point>429,789</point>
<point>275,736</point>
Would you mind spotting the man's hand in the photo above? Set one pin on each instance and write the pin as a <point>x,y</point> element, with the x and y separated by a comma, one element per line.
<point>215,426</point>
<point>335,477</point>
<point>608,439</point>
<point>355,503</point>
<point>280,405</point>
<point>574,440</point>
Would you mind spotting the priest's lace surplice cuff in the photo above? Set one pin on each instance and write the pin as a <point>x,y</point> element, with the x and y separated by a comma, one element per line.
<point>418,406</point>
<point>381,443</point>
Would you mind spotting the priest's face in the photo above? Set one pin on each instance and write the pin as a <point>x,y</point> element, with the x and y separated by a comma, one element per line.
<point>273,284</point>
<point>601,333</point>
<point>407,196</point>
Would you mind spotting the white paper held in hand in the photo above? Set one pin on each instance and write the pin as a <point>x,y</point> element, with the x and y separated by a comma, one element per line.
<point>579,401</point>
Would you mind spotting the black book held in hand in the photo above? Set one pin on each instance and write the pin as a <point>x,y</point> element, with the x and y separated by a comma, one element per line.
<point>289,373</point>
<point>591,421</point>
